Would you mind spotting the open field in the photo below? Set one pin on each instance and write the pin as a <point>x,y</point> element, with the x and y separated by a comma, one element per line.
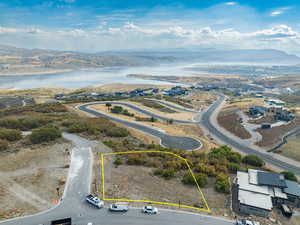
<point>141,184</point>
<point>292,148</point>
<point>172,129</point>
<point>274,135</point>
<point>29,179</point>
<point>229,119</point>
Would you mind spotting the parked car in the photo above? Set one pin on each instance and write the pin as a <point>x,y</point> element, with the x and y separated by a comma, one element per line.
<point>95,201</point>
<point>149,209</point>
<point>118,208</point>
<point>286,210</point>
<point>246,222</point>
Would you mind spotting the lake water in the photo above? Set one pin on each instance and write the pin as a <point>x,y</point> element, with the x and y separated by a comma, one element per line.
<point>83,78</point>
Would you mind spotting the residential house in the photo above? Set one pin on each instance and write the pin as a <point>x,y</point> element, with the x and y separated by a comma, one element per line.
<point>258,192</point>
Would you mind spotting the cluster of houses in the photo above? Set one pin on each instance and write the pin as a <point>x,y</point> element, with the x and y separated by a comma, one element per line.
<point>258,192</point>
<point>174,91</point>
<point>274,108</point>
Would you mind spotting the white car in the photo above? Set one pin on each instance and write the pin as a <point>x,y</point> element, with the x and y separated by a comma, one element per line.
<point>118,208</point>
<point>246,222</point>
<point>149,209</point>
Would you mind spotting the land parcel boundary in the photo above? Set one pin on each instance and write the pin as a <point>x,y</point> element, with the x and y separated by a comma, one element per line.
<point>102,158</point>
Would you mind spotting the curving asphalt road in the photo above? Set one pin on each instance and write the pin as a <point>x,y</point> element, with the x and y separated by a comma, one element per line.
<point>78,186</point>
<point>179,142</point>
<point>208,122</point>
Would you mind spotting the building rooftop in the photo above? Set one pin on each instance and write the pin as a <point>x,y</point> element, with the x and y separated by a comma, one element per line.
<point>270,179</point>
<point>243,182</point>
<point>293,188</point>
<point>257,200</point>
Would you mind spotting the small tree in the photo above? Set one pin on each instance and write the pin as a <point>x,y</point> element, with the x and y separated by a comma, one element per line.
<point>152,119</point>
<point>289,176</point>
<point>117,109</point>
<point>253,160</point>
<point>108,105</point>
<point>222,184</point>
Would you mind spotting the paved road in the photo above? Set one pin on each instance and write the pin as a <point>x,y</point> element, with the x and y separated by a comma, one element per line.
<point>173,106</point>
<point>148,113</point>
<point>179,142</point>
<point>208,122</point>
<point>78,186</point>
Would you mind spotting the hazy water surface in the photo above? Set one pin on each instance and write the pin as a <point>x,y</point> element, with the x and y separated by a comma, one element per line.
<point>83,78</point>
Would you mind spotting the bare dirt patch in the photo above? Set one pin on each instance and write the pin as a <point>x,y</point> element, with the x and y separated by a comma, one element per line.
<point>230,120</point>
<point>29,179</point>
<point>139,183</point>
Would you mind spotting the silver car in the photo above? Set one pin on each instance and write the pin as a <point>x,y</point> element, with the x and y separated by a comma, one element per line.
<point>118,208</point>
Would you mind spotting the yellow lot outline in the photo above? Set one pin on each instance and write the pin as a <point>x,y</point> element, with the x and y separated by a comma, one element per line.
<point>154,202</point>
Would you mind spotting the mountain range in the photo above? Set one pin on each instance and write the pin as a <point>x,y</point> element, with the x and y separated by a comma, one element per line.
<point>13,60</point>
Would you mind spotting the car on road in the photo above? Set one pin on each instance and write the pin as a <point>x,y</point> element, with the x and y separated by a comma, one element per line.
<point>118,208</point>
<point>95,201</point>
<point>148,209</point>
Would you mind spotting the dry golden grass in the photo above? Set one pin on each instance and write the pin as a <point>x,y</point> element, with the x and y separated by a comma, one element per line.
<point>292,148</point>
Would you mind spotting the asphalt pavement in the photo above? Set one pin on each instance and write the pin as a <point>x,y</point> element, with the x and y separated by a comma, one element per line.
<point>178,142</point>
<point>208,122</point>
<point>78,186</point>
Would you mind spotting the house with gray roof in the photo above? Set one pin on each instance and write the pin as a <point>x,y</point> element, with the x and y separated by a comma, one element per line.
<point>293,193</point>
<point>258,192</point>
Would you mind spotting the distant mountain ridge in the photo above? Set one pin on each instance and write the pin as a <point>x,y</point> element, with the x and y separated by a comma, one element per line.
<point>14,60</point>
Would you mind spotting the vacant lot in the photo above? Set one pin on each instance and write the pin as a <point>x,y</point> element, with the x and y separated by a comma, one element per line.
<point>274,135</point>
<point>29,179</point>
<point>292,148</point>
<point>229,119</point>
<point>140,184</point>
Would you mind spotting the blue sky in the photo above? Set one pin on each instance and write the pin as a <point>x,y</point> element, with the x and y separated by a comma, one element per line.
<point>98,25</point>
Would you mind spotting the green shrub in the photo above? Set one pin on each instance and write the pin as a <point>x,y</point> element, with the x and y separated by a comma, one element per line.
<point>117,109</point>
<point>3,144</point>
<point>234,157</point>
<point>117,132</point>
<point>45,134</point>
<point>233,167</point>
<point>168,174</point>
<point>189,179</point>
<point>118,161</point>
<point>77,127</point>
<point>135,159</point>
<point>289,176</point>
<point>253,160</point>
<point>158,172</point>
<point>201,179</point>
<point>10,134</point>
<point>222,184</point>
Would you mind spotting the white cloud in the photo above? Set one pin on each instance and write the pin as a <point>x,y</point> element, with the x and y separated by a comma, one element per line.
<point>231,3</point>
<point>68,1</point>
<point>279,11</point>
<point>131,36</point>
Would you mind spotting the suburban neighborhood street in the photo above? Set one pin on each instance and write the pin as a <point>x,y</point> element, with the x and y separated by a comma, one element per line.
<point>185,143</point>
<point>209,122</point>
<point>73,203</point>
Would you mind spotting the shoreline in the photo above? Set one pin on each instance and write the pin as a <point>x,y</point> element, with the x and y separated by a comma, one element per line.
<point>37,72</point>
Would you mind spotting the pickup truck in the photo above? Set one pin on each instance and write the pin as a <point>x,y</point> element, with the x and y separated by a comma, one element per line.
<point>95,201</point>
